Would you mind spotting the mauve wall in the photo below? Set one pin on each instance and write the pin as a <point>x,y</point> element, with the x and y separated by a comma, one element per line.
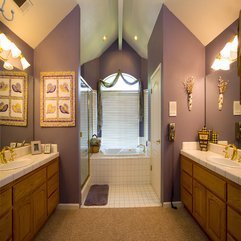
<point>60,51</point>
<point>222,121</point>
<point>182,55</point>
<point>127,60</point>
<point>13,133</point>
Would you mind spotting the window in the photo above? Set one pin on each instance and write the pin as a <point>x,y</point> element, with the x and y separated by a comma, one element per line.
<point>120,106</point>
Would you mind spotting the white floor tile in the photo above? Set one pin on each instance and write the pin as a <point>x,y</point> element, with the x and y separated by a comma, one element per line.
<point>126,196</point>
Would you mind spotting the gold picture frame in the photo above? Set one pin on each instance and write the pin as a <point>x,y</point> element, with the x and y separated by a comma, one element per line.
<point>57,99</point>
<point>13,98</point>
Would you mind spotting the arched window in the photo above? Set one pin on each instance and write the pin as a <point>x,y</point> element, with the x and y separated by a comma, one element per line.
<point>120,110</point>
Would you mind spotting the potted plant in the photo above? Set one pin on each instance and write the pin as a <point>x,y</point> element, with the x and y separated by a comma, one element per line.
<point>95,144</point>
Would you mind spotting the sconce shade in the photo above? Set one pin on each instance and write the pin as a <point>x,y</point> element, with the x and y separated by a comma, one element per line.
<point>11,54</point>
<point>221,63</point>
<point>25,63</point>
<point>7,66</point>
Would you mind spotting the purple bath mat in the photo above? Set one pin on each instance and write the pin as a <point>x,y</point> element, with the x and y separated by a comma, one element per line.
<point>97,196</point>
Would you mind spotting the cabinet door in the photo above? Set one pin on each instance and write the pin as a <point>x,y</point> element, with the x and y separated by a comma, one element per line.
<point>23,221</point>
<point>6,226</point>
<point>199,203</point>
<point>216,217</point>
<point>39,207</point>
<point>234,223</point>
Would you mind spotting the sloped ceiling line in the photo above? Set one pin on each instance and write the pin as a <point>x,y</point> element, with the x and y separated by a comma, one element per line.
<point>120,23</point>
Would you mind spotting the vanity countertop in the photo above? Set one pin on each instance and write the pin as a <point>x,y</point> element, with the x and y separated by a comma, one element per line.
<point>38,160</point>
<point>233,174</point>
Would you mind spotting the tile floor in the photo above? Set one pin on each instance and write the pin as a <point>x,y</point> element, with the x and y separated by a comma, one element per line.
<point>130,196</point>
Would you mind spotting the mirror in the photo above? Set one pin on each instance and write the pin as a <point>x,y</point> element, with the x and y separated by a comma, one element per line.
<point>223,122</point>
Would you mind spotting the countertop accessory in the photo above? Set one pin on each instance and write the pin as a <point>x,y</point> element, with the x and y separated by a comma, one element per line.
<point>222,86</point>
<point>47,148</point>
<point>36,147</point>
<point>188,85</point>
<point>203,136</point>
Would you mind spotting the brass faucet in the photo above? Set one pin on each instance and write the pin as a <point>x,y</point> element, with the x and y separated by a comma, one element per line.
<point>234,154</point>
<point>3,158</point>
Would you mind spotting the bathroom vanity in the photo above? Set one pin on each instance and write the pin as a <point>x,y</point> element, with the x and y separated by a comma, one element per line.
<point>212,194</point>
<point>28,196</point>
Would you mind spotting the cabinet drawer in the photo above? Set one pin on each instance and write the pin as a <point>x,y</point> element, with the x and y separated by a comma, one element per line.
<point>234,223</point>
<point>187,182</point>
<point>6,227</point>
<point>212,182</point>
<point>234,196</point>
<point>29,184</point>
<point>53,184</point>
<point>186,165</point>
<point>53,168</point>
<point>53,200</point>
<point>187,199</point>
<point>5,201</point>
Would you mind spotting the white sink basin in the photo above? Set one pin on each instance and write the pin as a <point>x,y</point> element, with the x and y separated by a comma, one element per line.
<point>15,164</point>
<point>224,162</point>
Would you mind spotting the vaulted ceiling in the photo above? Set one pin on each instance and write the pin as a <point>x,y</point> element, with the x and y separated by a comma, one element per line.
<point>204,18</point>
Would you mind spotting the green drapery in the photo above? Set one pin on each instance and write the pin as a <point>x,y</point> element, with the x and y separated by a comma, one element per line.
<point>109,85</point>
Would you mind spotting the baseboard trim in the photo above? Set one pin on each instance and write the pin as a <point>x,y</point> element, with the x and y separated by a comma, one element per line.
<point>68,206</point>
<point>177,204</point>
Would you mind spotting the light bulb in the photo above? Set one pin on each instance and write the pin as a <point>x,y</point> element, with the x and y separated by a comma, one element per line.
<point>25,63</point>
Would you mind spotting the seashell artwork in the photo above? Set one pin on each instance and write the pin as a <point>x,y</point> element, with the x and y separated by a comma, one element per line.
<point>51,109</point>
<point>3,86</point>
<point>64,108</point>
<point>64,88</point>
<point>51,88</point>
<point>3,108</point>
<point>17,88</point>
<point>17,108</point>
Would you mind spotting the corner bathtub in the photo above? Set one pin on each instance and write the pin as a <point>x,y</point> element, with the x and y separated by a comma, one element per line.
<point>120,166</point>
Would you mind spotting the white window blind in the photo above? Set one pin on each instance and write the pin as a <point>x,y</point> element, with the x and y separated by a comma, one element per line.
<point>146,114</point>
<point>120,119</point>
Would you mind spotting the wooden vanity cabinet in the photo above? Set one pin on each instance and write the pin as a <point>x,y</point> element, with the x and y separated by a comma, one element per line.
<point>208,198</point>
<point>234,211</point>
<point>29,200</point>
<point>6,214</point>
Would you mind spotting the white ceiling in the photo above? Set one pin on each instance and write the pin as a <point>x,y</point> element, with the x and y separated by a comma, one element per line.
<point>204,18</point>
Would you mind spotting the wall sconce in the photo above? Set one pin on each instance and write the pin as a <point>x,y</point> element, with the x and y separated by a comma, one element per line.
<point>227,55</point>
<point>11,54</point>
<point>222,86</point>
<point>188,85</point>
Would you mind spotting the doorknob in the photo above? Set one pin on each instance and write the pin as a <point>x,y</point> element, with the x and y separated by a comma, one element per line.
<point>158,141</point>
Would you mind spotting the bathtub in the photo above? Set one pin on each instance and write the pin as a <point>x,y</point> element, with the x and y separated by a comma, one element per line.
<point>120,166</point>
<point>122,152</point>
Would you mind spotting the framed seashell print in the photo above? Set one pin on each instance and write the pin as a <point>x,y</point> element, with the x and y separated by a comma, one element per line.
<point>13,98</point>
<point>57,99</point>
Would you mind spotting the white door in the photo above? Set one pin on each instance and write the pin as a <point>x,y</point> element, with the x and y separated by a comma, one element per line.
<point>156,131</point>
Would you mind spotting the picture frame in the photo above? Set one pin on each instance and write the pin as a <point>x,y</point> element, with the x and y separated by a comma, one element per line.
<point>57,99</point>
<point>47,148</point>
<point>36,147</point>
<point>13,98</point>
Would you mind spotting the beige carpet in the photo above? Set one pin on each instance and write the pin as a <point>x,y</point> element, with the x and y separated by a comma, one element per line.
<point>124,224</point>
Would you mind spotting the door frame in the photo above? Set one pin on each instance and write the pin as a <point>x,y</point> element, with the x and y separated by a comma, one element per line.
<point>159,68</point>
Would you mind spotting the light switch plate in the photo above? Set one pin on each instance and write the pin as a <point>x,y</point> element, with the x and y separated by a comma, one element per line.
<point>236,108</point>
<point>172,108</point>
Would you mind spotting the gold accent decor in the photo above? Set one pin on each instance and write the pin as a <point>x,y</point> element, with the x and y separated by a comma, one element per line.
<point>13,98</point>
<point>57,99</point>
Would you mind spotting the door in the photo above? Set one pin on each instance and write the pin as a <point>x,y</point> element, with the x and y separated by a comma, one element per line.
<point>156,131</point>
